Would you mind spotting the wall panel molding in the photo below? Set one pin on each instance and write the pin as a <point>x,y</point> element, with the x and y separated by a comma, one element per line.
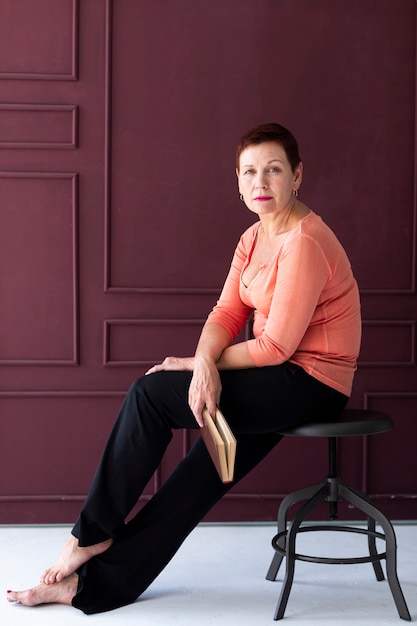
<point>372,397</point>
<point>20,126</point>
<point>155,336</point>
<point>388,343</point>
<point>11,55</point>
<point>402,408</point>
<point>46,177</point>
<point>62,393</point>
<point>109,286</point>
<point>403,281</point>
<point>65,395</point>
<point>412,289</point>
<point>107,146</point>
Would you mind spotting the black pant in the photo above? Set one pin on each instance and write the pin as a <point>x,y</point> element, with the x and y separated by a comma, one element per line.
<point>256,402</point>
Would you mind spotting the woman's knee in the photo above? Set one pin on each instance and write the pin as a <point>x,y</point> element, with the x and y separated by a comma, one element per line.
<point>143,393</point>
<point>164,394</point>
<point>137,385</point>
<point>148,386</point>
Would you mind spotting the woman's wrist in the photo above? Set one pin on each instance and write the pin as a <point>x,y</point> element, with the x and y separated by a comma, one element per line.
<point>204,359</point>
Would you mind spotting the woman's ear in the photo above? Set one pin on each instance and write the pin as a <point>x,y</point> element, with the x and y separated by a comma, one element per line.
<point>238,181</point>
<point>298,175</point>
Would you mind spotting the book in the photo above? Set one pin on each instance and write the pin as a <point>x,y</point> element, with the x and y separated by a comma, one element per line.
<point>220,443</point>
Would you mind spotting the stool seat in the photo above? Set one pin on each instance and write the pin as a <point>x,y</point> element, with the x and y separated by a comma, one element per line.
<point>351,423</point>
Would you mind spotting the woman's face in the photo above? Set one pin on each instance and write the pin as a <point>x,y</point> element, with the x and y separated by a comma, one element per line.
<point>266,180</point>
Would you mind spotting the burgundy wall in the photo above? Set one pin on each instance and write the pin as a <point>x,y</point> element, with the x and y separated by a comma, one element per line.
<point>119,213</point>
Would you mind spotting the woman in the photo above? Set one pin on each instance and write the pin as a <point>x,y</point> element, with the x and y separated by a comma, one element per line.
<point>291,271</point>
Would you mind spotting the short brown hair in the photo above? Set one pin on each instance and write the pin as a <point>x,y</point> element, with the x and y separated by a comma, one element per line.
<point>270,132</point>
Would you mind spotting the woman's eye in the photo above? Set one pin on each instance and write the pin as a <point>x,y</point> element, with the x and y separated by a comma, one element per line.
<point>248,172</point>
<point>274,169</point>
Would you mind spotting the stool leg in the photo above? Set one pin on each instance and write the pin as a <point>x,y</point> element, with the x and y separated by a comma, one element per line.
<point>286,504</point>
<point>373,551</point>
<point>299,517</point>
<point>333,474</point>
<point>363,503</point>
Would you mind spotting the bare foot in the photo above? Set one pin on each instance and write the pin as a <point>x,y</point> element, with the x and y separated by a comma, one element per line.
<point>61,593</point>
<point>71,558</point>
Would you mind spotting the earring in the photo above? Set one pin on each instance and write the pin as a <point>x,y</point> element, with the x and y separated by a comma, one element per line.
<point>241,197</point>
<point>295,193</point>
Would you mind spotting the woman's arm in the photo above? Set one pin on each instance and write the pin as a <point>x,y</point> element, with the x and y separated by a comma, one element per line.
<point>213,353</point>
<point>302,273</point>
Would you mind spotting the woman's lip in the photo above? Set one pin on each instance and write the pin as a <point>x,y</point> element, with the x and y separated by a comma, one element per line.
<point>263,198</point>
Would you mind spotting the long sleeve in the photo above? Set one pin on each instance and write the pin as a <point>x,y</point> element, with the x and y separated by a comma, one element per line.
<point>231,312</point>
<point>291,294</point>
<point>305,301</point>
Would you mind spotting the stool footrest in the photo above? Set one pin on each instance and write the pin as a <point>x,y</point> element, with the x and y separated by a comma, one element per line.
<point>370,558</point>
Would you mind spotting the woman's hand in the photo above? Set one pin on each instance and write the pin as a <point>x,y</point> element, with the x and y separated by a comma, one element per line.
<point>173,363</point>
<point>205,388</point>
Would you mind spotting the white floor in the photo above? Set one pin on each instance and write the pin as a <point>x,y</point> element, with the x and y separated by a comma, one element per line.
<point>218,577</point>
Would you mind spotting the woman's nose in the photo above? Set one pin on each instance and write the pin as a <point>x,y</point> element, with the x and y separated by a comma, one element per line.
<point>260,181</point>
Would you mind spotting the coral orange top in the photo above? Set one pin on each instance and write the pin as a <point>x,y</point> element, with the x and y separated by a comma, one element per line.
<point>305,302</point>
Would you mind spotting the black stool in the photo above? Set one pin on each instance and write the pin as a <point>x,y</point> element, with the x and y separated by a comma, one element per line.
<point>352,422</point>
